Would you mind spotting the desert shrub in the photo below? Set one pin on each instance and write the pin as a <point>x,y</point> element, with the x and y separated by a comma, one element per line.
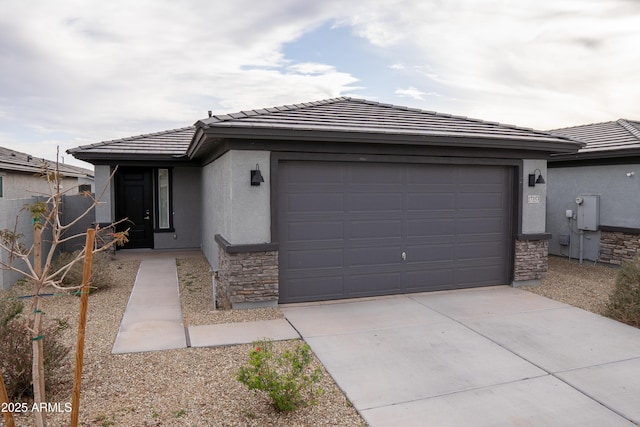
<point>15,351</point>
<point>624,302</point>
<point>286,378</point>
<point>100,273</point>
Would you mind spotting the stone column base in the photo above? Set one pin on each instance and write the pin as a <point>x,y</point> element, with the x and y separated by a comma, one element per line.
<point>531,261</point>
<point>247,275</point>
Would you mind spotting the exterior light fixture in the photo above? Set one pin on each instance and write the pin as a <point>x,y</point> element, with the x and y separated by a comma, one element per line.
<point>256,176</point>
<point>533,180</point>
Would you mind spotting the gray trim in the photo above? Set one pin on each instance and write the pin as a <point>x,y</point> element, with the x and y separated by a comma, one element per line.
<point>537,236</point>
<point>596,159</point>
<point>218,147</point>
<point>244,248</point>
<point>615,229</point>
<point>462,140</point>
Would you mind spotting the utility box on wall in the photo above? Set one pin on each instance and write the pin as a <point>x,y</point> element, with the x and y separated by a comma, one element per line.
<point>588,212</point>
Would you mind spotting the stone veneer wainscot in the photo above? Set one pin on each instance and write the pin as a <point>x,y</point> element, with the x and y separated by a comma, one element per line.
<point>247,275</point>
<point>617,247</point>
<point>531,260</point>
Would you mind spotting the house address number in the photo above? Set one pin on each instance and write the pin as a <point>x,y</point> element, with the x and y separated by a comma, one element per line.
<point>534,198</point>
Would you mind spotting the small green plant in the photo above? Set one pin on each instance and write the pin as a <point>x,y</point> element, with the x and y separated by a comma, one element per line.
<point>287,378</point>
<point>624,302</point>
<point>179,413</point>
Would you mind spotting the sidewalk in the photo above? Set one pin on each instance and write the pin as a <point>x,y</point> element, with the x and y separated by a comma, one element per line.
<point>153,318</point>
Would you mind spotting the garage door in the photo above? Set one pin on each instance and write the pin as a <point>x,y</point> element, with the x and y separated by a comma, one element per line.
<point>362,229</point>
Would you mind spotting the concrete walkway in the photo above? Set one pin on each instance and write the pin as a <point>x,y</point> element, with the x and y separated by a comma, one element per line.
<point>153,318</point>
<point>481,357</point>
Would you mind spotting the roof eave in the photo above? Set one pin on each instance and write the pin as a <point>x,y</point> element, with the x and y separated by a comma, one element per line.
<point>115,157</point>
<point>601,154</point>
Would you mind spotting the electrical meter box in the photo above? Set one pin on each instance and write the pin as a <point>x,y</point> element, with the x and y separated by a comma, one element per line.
<point>588,212</point>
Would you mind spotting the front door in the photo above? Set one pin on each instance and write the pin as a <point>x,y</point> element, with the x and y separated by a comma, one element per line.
<point>134,202</point>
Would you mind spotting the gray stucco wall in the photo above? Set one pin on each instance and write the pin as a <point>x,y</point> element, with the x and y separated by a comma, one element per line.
<point>619,203</point>
<point>534,199</point>
<point>21,185</point>
<point>10,212</point>
<point>187,213</point>
<point>231,207</point>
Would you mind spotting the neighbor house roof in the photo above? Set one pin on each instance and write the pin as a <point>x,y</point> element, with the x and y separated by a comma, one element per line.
<point>11,160</point>
<point>607,139</point>
<point>358,120</point>
<point>168,144</point>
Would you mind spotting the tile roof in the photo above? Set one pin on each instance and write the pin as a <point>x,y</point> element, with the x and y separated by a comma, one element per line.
<point>351,115</point>
<point>169,143</point>
<point>341,119</point>
<point>620,135</point>
<point>11,160</point>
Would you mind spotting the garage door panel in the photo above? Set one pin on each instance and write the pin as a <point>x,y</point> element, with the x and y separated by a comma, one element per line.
<point>374,284</point>
<point>430,227</point>
<point>315,202</point>
<point>481,201</point>
<point>345,238</point>
<point>367,229</point>
<point>431,252</point>
<point>363,174</point>
<point>302,173</point>
<point>314,259</point>
<point>374,202</point>
<point>433,175</point>
<point>481,275</point>
<point>433,279</point>
<point>315,230</point>
<point>475,175</point>
<point>481,225</point>
<point>479,250</point>
<point>314,289</point>
<point>374,256</point>
<point>431,202</point>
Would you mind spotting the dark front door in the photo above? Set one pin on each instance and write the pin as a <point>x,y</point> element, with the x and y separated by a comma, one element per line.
<point>134,202</point>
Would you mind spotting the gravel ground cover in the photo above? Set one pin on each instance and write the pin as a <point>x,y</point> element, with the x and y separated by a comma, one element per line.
<point>184,387</point>
<point>197,387</point>
<point>585,285</point>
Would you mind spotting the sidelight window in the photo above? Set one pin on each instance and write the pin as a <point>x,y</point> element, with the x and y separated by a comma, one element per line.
<point>163,197</point>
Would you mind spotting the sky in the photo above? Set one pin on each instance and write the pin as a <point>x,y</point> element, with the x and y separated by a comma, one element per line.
<point>76,72</point>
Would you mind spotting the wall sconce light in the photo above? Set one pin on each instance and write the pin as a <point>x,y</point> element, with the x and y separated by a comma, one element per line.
<point>533,180</point>
<point>630,174</point>
<point>256,176</point>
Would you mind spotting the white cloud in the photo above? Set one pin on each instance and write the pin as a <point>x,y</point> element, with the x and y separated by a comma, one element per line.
<point>77,71</point>
<point>573,60</point>
<point>412,92</point>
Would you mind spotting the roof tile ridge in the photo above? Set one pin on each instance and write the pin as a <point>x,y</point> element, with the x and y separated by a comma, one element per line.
<point>629,127</point>
<point>270,110</point>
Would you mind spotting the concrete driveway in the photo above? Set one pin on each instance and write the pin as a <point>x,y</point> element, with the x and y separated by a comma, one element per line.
<point>494,356</point>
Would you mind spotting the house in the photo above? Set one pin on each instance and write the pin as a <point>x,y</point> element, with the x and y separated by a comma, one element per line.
<point>20,176</point>
<point>337,198</point>
<point>21,181</point>
<point>593,205</point>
